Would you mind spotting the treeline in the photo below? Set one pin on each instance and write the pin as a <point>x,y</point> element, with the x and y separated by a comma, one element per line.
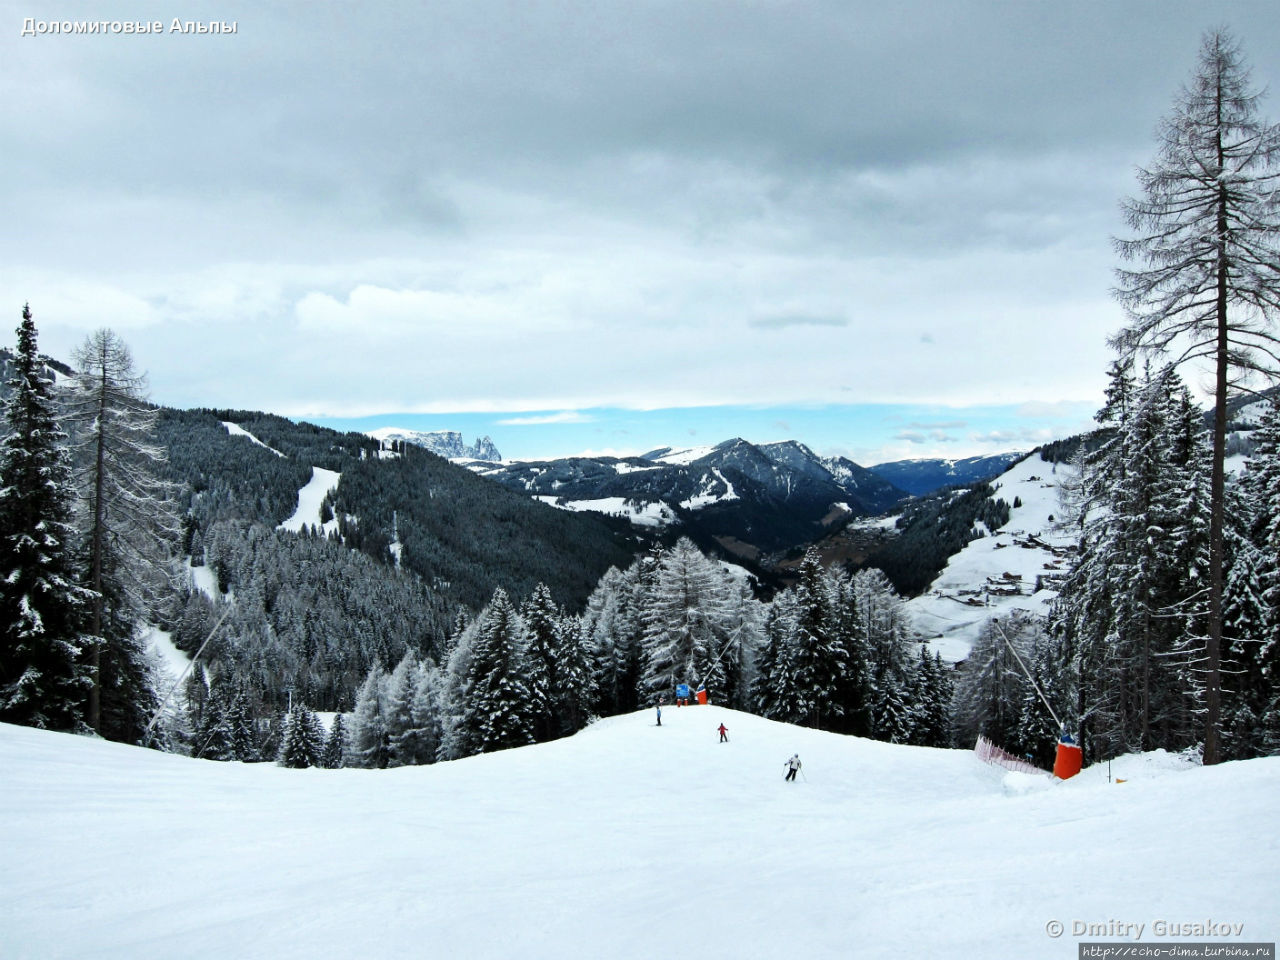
<point>225,477</point>
<point>88,530</point>
<point>840,654</point>
<point>834,652</point>
<point>466,535</point>
<point>303,614</point>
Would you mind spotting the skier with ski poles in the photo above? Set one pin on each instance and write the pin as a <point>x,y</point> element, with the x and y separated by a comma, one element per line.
<point>793,766</point>
<point>724,733</point>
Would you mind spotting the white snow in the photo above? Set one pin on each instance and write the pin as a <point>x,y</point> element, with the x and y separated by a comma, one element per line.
<point>963,596</point>
<point>309,499</point>
<point>645,514</point>
<point>205,580</point>
<point>621,468</point>
<point>711,493</point>
<point>683,456</point>
<point>238,431</point>
<point>160,644</point>
<point>626,841</point>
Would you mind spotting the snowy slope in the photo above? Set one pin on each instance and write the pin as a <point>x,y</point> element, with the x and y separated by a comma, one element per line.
<point>309,499</point>
<point>974,584</point>
<point>642,514</point>
<point>626,841</point>
<point>238,431</point>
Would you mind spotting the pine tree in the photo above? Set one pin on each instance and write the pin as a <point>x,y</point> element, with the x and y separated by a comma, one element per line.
<point>1131,613</point>
<point>303,742</point>
<point>495,713</point>
<point>576,692</point>
<point>613,626</point>
<point>773,693</point>
<point>858,688</point>
<point>819,663</point>
<point>541,625</point>
<point>991,690</point>
<point>129,525</point>
<point>215,734</point>
<point>930,702</point>
<point>1207,229</point>
<point>397,707</point>
<point>335,746</point>
<point>240,720</point>
<point>370,739</point>
<point>885,631</point>
<point>1251,631</point>
<point>420,743</point>
<point>42,607</point>
<point>686,624</point>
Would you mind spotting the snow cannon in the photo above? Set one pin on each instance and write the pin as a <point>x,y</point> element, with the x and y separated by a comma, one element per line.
<point>1070,757</point>
<point>702,694</point>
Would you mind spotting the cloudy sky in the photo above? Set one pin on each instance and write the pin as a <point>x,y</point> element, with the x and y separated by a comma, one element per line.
<point>883,229</point>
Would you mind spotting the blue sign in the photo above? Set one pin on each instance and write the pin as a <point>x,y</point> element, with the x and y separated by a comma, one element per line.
<point>682,691</point>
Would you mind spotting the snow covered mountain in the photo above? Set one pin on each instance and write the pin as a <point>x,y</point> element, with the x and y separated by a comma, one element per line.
<point>750,498</point>
<point>446,443</point>
<point>1016,566</point>
<point>596,844</point>
<point>919,477</point>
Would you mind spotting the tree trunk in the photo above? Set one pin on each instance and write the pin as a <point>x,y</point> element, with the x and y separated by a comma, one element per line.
<point>1217,483</point>
<point>96,548</point>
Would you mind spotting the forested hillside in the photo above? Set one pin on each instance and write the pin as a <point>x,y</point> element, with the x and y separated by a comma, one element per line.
<point>311,613</point>
<point>467,535</point>
<point>463,534</point>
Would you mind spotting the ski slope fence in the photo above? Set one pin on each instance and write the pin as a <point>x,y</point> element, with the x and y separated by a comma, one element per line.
<point>988,752</point>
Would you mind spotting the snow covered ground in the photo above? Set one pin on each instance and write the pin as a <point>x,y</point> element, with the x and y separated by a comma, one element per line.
<point>968,591</point>
<point>309,499</point>
<point>626,841</point>
<point>172,660</point>
<point>642,514</point>
<point>238,431</point>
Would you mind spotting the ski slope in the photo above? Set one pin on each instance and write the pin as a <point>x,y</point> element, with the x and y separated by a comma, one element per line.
<point>310,497</point>
<point>625,841</point>
<point>238,431</point>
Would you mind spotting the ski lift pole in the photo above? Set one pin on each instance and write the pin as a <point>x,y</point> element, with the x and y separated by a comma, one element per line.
<point>728,643</point>
<point>1069,756</point>
<point>146,738</point>
<point>1035,686</point>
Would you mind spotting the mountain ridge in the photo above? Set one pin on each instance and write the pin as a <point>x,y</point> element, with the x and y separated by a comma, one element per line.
<point>749,498</point>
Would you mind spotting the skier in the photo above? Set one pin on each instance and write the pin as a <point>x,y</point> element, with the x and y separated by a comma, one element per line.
<point>659,713</point>
<point>793,766</point>
<point>724,733</point>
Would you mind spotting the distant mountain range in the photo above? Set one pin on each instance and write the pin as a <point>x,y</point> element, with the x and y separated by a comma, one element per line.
<point>748,498</point>
<point>445,443</point>
<point>919,477</point>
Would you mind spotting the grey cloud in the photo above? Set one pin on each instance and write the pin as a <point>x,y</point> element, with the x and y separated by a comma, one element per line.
<point>402,144</point>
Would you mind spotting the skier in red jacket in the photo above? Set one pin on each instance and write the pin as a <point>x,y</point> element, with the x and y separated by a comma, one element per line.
<point>724,733</point>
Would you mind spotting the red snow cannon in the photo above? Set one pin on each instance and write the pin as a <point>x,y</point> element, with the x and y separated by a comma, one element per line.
<point>1070,758</point>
